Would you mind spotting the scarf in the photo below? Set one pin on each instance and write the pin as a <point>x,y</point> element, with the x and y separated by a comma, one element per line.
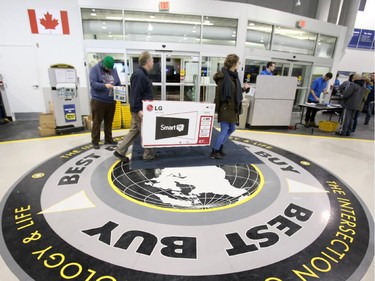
<point>226,93</point>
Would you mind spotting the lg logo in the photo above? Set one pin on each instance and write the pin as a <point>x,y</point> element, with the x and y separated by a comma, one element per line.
<point>180,127</point>
<point>150,107</point>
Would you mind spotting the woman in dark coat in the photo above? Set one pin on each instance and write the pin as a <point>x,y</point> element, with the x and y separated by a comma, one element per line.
<point>228,100</point>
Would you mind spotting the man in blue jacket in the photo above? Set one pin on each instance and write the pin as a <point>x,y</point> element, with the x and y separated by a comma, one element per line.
<point>318,86</point>
<point>103,77</point>
<point>270,69</point>
<point>141,89</point>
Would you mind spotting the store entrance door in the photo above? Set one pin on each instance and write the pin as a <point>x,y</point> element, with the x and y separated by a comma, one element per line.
<point>175,75</point>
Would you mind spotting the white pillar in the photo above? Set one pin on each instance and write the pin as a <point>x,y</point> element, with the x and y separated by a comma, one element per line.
<point>334,11</point>
<point>348,16</point>
<point>323,10</point>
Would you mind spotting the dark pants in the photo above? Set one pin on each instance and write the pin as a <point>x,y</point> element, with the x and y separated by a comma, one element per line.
<point>355,121</point>
<point>102,111</point>
<point>310,113</point>
<point>370,108</point>
<point>347,121</point>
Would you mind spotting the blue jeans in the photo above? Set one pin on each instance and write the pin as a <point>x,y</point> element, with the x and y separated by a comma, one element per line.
<point>226,129</point>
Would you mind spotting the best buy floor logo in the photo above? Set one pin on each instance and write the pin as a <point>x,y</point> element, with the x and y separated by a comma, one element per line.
<point>83,215</point>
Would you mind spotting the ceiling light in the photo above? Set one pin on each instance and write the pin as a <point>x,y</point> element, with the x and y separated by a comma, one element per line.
<point>93,14</point>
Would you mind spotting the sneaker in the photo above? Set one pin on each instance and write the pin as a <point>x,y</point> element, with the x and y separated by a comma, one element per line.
<point>312,124</point>
<point>215,154</point>
<point>111,142</point>
<point>95,145</point>
<point>121,157</point>
<point>151,158</point>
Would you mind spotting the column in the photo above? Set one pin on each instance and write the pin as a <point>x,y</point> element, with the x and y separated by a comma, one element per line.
<point>334,11</point>
<point>323,10</point>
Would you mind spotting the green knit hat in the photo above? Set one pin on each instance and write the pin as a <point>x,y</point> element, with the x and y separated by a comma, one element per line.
<point>108,62</point>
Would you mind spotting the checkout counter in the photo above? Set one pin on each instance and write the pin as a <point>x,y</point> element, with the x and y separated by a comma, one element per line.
<point>271,102</point>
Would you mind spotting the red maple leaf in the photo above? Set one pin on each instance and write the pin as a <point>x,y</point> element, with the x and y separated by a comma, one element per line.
<point>48,22</point>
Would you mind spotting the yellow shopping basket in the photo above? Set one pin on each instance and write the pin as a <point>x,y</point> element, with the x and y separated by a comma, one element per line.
<point>328,126</point>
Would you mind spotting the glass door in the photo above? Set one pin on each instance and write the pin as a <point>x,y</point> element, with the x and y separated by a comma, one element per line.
<point>155,73</point>
<point>303,73</point>
<point>174,75</point>
<point>181,76</point>
<point>209,66</point>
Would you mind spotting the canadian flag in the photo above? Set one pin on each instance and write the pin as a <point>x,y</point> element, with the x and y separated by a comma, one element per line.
<point>49,22</point>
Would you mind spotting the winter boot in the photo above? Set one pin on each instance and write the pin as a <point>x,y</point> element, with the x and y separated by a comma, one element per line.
<point>215,154</point>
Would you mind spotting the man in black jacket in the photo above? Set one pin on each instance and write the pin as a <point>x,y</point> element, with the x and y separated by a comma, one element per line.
<point>141,89</point>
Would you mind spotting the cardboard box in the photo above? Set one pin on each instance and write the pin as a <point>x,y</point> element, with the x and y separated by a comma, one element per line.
<point>47,121</point>
<point>87,122</point>
<point>51,109</point>
<point>45,132</point>
<point>175,123</point>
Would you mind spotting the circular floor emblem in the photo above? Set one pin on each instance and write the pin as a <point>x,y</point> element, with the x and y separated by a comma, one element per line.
<point>82,215</point>
<point>184,188</point>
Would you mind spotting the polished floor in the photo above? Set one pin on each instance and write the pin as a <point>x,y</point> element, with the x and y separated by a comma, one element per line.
<point>350,160</point>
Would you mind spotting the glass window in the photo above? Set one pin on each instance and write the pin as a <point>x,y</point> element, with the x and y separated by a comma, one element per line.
<point>252,70</point>
<point>326,46</point>
<point>162,27</point>
<point>219,31</point>
<point>294,41</point>
<point>258,35</point>
<point>210,65</point>
<point>99,24</point>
